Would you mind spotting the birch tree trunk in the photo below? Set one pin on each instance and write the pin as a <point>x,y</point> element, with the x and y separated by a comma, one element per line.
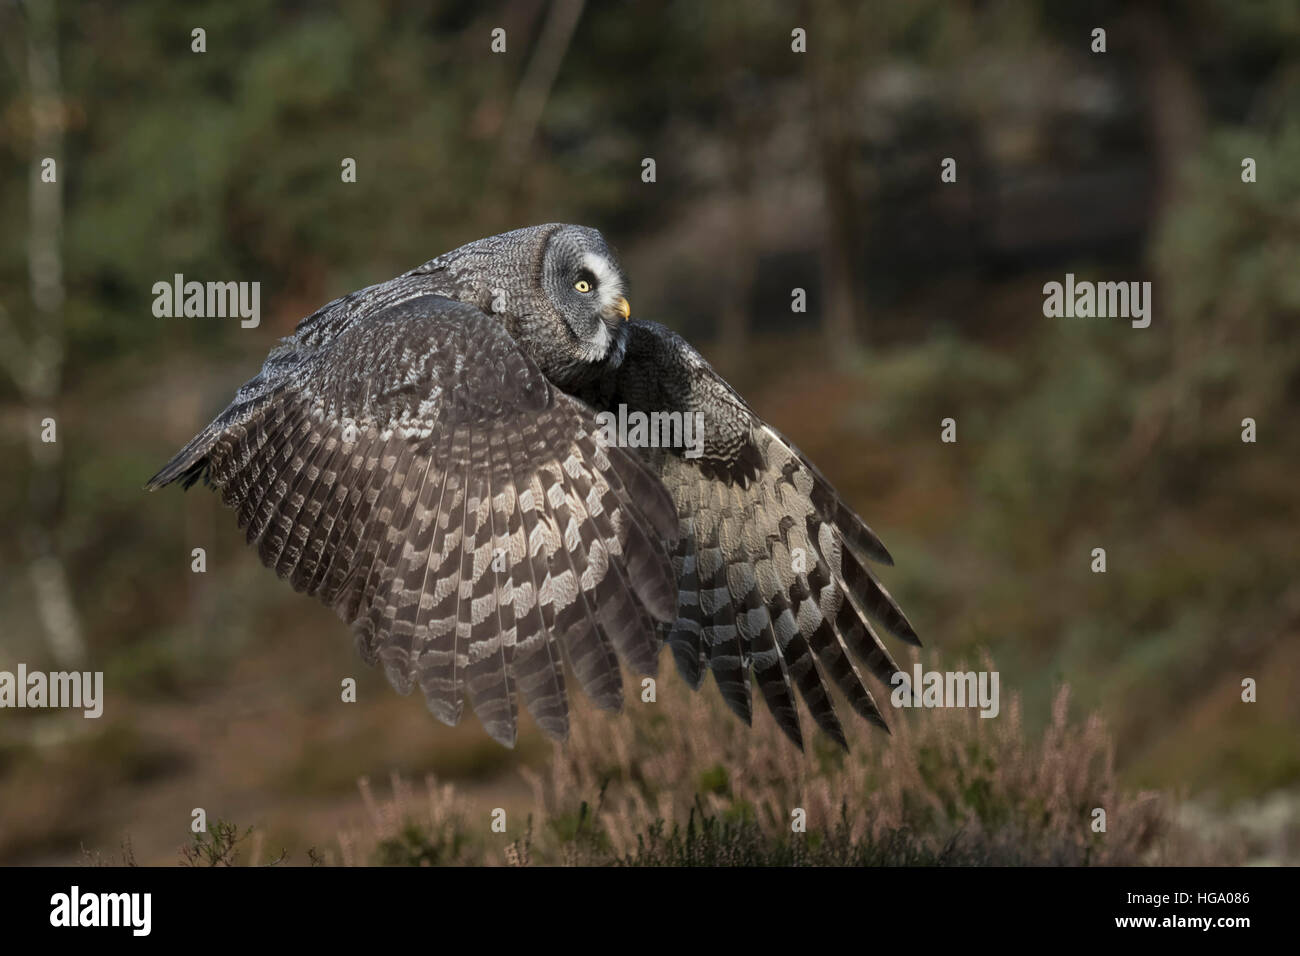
<point>35,360</point>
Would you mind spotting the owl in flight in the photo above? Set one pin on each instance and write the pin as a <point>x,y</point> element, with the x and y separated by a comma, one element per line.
<point>426,456</point>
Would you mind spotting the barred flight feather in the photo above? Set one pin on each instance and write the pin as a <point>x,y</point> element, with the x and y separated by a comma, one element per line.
<point>428,463</point>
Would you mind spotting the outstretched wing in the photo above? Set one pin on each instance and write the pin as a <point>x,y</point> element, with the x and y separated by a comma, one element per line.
<point>418,473</point>
<point>773,567</point>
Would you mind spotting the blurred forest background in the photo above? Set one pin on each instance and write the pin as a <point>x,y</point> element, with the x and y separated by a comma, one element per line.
<point>775,170</point>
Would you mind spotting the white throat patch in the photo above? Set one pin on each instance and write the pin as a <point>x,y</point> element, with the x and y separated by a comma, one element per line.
<point>609,285</point>
<point>595,350</point>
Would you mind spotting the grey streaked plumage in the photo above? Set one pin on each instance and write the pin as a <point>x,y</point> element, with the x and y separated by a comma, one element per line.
<point>423,456</point>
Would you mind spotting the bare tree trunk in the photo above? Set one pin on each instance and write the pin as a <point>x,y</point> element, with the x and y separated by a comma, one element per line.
<point>1176,114</point>
<point>738,267</point>
<point>37,366</point>
<point>840,211</point>
<point>741,145</point>
<point>1174,104</point>
<point>533,92</point>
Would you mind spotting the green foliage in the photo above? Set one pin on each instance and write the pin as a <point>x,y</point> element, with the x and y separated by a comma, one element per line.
<point>711,840</point>
<point>417,845</point>
<point>713,780</point>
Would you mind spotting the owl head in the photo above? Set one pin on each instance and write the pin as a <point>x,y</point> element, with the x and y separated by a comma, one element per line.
<point>558,288</point>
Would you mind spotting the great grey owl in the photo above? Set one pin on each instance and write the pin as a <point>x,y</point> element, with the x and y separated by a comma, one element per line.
<point>425,456</point>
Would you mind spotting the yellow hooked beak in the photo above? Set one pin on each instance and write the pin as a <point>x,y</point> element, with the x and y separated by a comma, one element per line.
<point>623,308</point>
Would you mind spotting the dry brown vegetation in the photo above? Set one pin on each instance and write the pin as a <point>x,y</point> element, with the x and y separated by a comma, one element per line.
<point>681,781</point>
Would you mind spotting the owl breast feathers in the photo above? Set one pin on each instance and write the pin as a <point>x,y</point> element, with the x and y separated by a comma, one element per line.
<point>425,456</point>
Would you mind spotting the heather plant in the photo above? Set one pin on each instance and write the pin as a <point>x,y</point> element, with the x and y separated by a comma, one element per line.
<point>406,831</point>
<point>682,782</point>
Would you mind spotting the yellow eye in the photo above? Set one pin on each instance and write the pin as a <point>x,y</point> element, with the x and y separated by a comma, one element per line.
<point>582,285</point>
